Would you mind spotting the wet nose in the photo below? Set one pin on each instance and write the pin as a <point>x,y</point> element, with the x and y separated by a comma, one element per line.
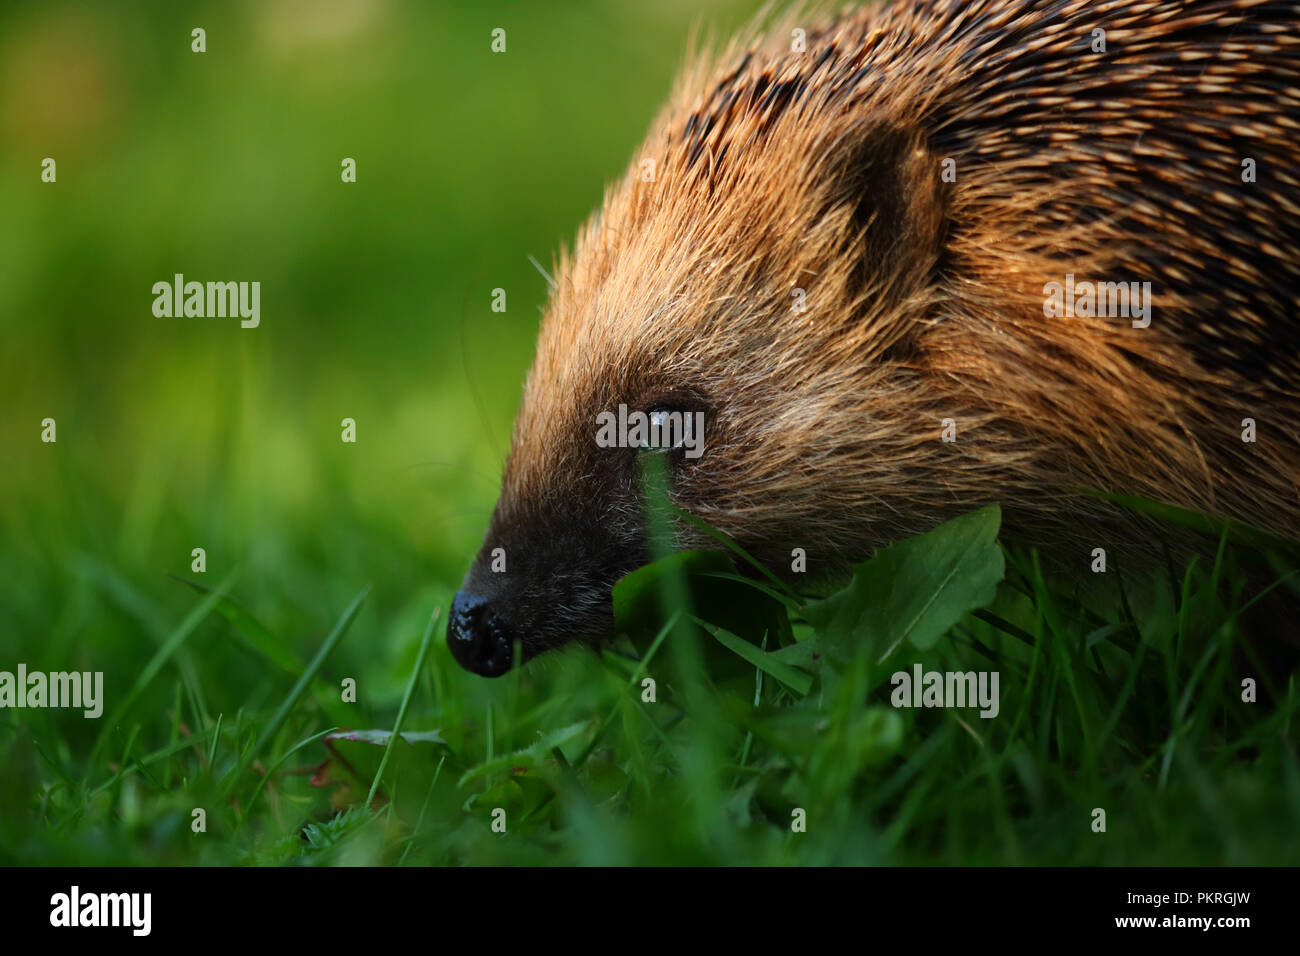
<point>478,638</point>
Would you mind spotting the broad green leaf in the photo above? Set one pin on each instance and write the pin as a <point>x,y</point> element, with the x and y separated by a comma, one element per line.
<point>917,589</point>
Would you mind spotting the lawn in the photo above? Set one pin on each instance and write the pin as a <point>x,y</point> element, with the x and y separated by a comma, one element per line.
<point>252,691</point>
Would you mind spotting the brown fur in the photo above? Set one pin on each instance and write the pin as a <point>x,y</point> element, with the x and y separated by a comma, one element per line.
<point>821,171</point>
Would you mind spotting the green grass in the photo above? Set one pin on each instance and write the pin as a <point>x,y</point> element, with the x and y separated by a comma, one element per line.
<point>327,561</point>
<point>1128,700</point>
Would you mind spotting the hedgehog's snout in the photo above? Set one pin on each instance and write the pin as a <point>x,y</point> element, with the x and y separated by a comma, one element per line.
<point>479,639</point>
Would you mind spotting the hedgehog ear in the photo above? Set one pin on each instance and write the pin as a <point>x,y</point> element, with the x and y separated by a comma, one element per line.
<point>893,184</point>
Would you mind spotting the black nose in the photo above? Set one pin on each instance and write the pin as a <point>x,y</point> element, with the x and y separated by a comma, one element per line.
<point>478,639</point>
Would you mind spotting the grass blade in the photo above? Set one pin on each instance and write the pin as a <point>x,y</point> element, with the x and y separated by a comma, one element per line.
<point>282,714</point>
<point>406,699</point>
<point>170,646</point>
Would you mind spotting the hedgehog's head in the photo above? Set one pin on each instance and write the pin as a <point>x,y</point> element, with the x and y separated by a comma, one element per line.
<point>769,292</point>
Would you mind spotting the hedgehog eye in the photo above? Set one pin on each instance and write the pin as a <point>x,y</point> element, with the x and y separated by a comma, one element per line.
<point>666,429</point>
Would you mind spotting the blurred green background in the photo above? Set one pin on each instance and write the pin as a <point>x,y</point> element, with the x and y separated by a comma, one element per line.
<point>192,432</point>
<point>375,300</point>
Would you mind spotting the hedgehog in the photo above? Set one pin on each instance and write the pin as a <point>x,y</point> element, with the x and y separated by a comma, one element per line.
<point>845,245</point>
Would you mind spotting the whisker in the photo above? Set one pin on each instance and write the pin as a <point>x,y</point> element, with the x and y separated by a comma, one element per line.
<point>545,275</point>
